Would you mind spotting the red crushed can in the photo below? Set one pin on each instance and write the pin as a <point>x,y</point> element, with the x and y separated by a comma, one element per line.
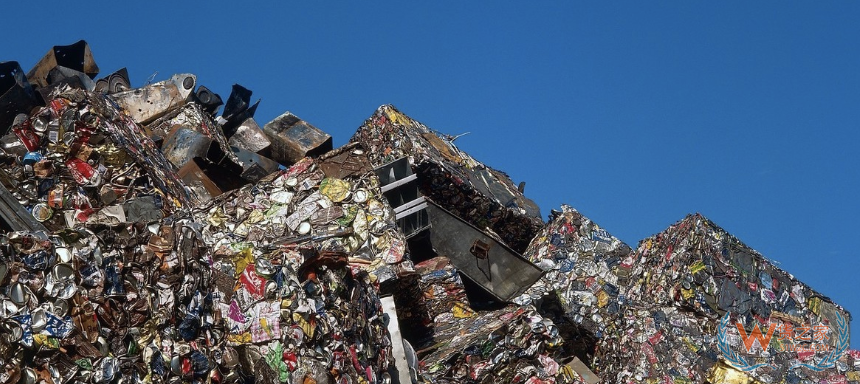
<point>27,135</point>
<point>80,170</point>
<point>57,106</point>
<point>255,284</point>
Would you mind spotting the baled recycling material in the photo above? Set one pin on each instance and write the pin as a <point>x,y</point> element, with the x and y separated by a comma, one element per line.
<point>145,238</point>
<point>478,194</point>
<point>273,280</point>
<point>508,345</point>
<point>654,313</point>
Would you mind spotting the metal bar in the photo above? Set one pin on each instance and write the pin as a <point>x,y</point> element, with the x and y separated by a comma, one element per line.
<point>409,205</point>
<point>397,349</point>
<point>410,211</point>
<point>397,183</point>
<point>14,214</point>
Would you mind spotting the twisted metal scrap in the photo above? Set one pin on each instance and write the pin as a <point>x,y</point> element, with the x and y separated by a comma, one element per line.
<point>730,355</point>
<point>841,346</point>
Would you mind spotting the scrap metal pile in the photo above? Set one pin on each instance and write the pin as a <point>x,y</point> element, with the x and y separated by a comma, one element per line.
<point>146,238</point>
<point>514,344</point>
<point>482,196</point>
<point>138,269</point>
<point>656,312</point>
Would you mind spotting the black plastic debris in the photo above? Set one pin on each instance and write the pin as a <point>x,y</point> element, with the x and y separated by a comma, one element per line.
<point>237,109</point>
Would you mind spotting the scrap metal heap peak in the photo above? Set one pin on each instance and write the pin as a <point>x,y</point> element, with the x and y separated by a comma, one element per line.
<point>148,237</point>
<point>654,312</point>
<point>483,196</point>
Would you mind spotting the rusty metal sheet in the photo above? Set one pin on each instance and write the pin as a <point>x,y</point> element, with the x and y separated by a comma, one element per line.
<point>250,137</point>
<point>494,266</point>
<point>348,161</point>
<point>148,103</point>
<point>202,187</point>
<point>183,145</point>
<point>76,56</point>
<point>254,166</point>
<point>293,138</point>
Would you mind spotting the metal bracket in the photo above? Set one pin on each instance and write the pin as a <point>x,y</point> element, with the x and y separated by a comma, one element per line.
<point>481,250</point>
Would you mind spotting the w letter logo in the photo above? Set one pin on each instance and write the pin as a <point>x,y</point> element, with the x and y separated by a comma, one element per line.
<point>763,341</point>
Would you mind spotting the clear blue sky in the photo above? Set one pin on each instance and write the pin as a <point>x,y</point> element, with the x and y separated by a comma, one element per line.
<point>636,113</point>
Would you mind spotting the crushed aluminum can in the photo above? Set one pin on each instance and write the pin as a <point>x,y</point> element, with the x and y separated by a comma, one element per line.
<point>83,173</point>
<point>24,130</point>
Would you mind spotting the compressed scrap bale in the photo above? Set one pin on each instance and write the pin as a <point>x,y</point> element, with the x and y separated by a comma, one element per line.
<point>701,271</point>
<point>301,205</point>
<point>510,345</point>
<point>300,217</point>
<point>443,290</point>
<point>580,289</point>
<point>85,162</point>
<point>186,308</point>
<point>584,268</point>
<point>484,197</point>
<point>277,282</point>
<point>656,310</point>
